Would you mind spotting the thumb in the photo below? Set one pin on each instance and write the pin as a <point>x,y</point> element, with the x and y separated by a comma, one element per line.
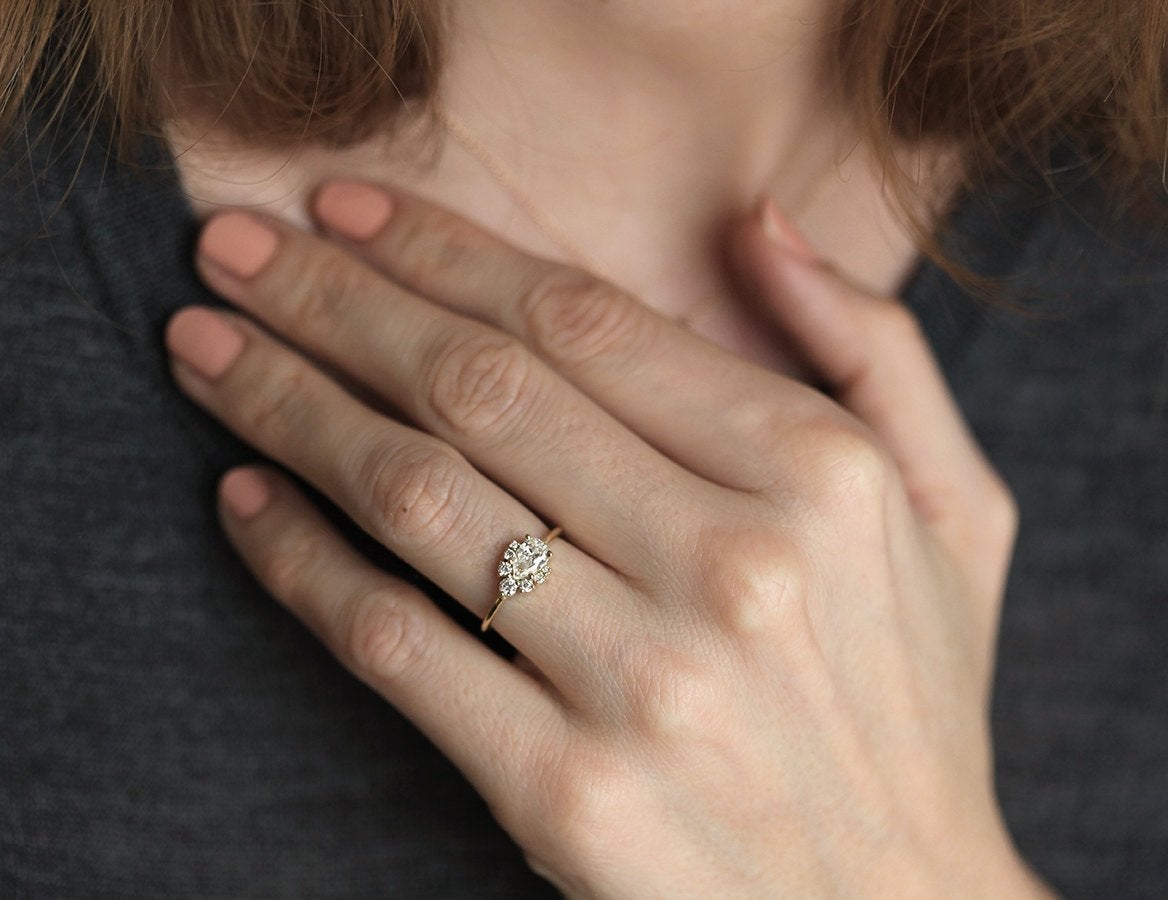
<point>872,357</point>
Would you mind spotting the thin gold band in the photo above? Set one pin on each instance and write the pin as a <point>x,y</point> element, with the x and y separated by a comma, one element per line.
<point>490,616</point>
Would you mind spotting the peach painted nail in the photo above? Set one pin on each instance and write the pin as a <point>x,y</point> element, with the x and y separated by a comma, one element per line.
<point>782,233</point>
<point>239,243</point>
<point>204,341</point>
<point>245,493</point>
<point>355,210</point>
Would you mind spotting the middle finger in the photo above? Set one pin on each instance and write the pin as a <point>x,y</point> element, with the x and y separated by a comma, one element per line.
<point>463,381</point>
<point>411,492</point>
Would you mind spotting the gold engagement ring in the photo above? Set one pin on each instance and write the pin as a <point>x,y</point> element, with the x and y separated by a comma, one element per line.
<point>525,564</point>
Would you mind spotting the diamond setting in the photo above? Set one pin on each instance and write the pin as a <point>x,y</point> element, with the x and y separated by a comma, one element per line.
<point>525,564</point>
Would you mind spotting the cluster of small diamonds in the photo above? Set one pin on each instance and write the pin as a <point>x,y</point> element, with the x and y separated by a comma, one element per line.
<point>525,564</point>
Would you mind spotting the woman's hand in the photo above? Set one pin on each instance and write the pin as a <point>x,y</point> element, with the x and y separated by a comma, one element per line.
<point>761,661</point>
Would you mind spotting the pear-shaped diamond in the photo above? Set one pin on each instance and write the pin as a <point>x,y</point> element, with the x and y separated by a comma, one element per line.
<point>525,564</point>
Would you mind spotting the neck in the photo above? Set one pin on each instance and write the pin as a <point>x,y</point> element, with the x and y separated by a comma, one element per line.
<point>625,134</point>
<point>730,92</point>
<point>639,126</point>
<point>604,116</point>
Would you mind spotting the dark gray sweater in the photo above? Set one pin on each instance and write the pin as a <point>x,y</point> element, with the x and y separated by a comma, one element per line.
<point>168,731</point>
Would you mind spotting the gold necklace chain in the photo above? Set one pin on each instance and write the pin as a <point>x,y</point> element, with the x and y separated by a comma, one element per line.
<point>548,224</point>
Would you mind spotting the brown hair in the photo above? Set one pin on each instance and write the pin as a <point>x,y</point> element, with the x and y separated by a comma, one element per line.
<point>993,78</point>
<point>1010,80</point>
<point>271,72</point>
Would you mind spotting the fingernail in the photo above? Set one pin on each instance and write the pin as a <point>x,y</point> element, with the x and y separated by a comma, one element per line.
<point>245,493</point>
<point>355,210</point>
<point>783,234</point>
<point>204,341</point>
<point>239,243</point>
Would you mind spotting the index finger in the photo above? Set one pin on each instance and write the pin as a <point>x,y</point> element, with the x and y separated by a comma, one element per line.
<point>681,393</point>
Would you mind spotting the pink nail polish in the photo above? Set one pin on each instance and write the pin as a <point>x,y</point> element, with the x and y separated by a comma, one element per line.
<point>239,243</point>
<point>204,341</point>
<point>782,233</point>
<point>355,210</point>
<point>245,492</point>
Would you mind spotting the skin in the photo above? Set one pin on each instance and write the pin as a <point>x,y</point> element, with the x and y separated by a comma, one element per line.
<point>643,128</point>
<point>761,664</point>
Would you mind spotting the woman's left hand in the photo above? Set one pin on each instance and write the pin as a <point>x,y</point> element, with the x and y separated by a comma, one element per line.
<point>760,663</point>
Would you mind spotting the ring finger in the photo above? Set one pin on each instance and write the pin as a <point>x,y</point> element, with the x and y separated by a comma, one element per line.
<point>469,384</point>
<point>488,717</point>
<point>409,490</point>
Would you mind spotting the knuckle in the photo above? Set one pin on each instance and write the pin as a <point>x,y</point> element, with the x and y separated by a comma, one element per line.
<point>576,319</point>
<point>850,472</point>
<point>482,385</point>
<point>273,405</point>
<point>580,803</point>
<point>429,246</point>
<point>754,584</point>
<point>316,303</point>
<point>418,495</point>
<point>386,637</point>
<point>675,701</point>
<point>288,569</point>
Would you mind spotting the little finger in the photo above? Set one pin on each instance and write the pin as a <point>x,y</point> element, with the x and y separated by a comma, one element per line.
<point>477,389</point>
<point>488,717</point>
<point>412,493</point>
